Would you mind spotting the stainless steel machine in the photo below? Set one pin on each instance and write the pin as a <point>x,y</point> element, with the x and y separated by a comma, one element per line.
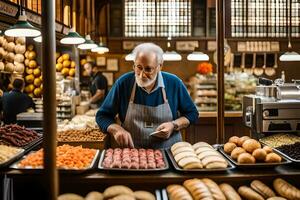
<point>274,108</point>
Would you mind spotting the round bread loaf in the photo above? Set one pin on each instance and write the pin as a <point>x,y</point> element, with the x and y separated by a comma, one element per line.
<point>249,194</point>
<point>268,149</point>
<point>229,192</point>
<point>242,140</point>
<point>236,152</point>
<point>214,189</point>
<point>246,158</point>
<point>250,145</point>
<point>273,158</point>
<point>229,146</point>
<point>180,144</point>
<point>259,154</point>
<point>262,189</point>
<point>234,139</point>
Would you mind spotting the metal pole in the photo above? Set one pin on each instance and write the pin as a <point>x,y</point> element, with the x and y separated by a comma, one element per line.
<point>49,98</point>
<point>220,70</point>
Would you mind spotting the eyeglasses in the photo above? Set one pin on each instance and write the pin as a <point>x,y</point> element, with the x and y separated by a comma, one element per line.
<point>146,69</point>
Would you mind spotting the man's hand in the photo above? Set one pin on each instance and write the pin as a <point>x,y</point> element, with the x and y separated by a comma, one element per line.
<point>166,129</point>
<point>123,138</point>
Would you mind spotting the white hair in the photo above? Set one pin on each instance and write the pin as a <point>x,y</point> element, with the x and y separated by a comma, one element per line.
<point>149,47</point>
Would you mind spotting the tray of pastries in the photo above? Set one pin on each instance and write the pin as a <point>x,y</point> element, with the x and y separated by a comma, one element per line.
<point>245,152</point>
<point>133,160</point>
<point>68,158</point>
<point>9,154</point>
<point>200,157</point>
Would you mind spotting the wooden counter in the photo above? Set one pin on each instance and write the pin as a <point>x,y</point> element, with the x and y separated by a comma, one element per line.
<point>227,114</point>
<point>25,183</point>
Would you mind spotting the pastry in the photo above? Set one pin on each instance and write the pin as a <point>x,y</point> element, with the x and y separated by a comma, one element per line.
<point>182,155</point>
<point>207,153</point>
<point>262,189</point>
<point>193,165</point>
<point>246,158</point>
<point>183,149</point>
<point>200,144</point>
<point>211,159</point>
<point>286,190</point>
<point>216,165</point>
<point>116,190</point>
<point>178,192</point>
<point>229,146</point>
<point>236,152</point>
<point>242,140</point>
<point>188,160</point>
<point>250,145</point>
<point>273,158</point>
<point>268,149</point>
<point>214,189</point>
<point>234,139</point>
<point>180,144</point>
<point>70,196</point>
<point>143,195</point>
<point>249,194</point>
<point>259,154</point>
<point>203,149</point>
<point>94,196</point>
<point>198,189</point>
<point>229,192</point>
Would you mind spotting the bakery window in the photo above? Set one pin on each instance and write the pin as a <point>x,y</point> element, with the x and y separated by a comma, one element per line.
<point>157,18</point>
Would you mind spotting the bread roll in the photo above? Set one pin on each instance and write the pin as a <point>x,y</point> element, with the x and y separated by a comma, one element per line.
<point>268,149</point>
<point>214,189</point>
<point>197,188</point>
<point>178,192</point>
<point>116,190</point>
<point>246,158</point>
<point>180,144</point>
<point>249,194</point>
<point>208,153</point>
<point>123,197</point>
<point>276,198</point>
<point>229,192</point>
<point>234,139</point>
<point>229,146</point>
<point>262,189</point>
<point>200,144</point>
<point>143,195</point>
<point>193,165</point>
<point>242,140</point>
<point>210,159</point>
<point>183,149</point>
<point>70,196</point>
<point>259,154</point>
<point>236,152</point>
<point>203,149</point>
<point>273,158</point>
<point>286,190</point>
<point>182,155</point>
<point>216,165</point>
<point>250,145</point>
<point>94,196</point>
<point>188,160</point>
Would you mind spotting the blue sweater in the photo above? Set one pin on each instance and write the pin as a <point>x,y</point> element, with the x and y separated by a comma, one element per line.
<point>117,100</point>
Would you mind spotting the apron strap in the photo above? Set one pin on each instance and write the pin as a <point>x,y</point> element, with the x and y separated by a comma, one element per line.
<point>133,92</point>
<point>164,94</point>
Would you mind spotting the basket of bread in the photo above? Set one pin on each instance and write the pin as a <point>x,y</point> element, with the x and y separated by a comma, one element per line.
<point>246,152</point>
<point>208,189</point>
<point>201,157</point>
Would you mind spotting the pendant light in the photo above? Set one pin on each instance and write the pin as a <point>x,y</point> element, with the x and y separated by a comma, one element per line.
<point>290,55</point>
<point>101,48</point>
<point>171,55</point>
<point>38,39</point>
<point>22,28</point>
<point>72,38</point>
<point>88,44</point>
<point>129,57</point>
<point>197,55</point>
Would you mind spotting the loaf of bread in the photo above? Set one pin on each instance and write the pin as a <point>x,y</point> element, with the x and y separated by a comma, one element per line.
<point>143,195</point>
<point>180,144</point>
<point>273,158</point>
<point>229,192</point>
<point>178,192</point>
<point>123,197</point>
<point>229,146</point>
<point>234,139</point>
<point>70,196</point>
<point>198,189</point>
<point>259,154</point>
<point>242,140</point>
<point>246,158</point>
<point>94,196</point>
<point>236,152</point>
<point>214,189</point>
<point>262,189</point>
<point>249,194</point>
<point>276,198</point>
<point>250,145</point>
<point>286,190</point>
<point>116,190</point>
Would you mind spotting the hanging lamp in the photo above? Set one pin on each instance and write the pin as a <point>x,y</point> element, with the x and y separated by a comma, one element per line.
<point>101,48</point>
<point>290,55</point>
<point>22,28</point>
<point>88,44</point>
<point>197,55</point>
<point>72,38</point>
<point>129,57</point>
<point>170,55</point>
<point>38,39</point>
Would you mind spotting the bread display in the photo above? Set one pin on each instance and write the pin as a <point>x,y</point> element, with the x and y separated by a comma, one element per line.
<point>229,192</point>
<point>67,157</point>
<point>249,194</point>
<point>250,151</point>
<point>197,156</point>
<point>178,192</point>
<point>286,190</point>
<point>133,159</point>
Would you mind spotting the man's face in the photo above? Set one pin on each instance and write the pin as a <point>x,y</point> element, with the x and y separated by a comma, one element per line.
<point>88,68</point>
<point>146,69</point>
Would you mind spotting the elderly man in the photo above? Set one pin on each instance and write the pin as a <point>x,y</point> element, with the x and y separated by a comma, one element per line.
<point>152,105</point>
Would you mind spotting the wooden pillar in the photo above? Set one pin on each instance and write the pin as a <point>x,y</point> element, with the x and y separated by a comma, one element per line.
<point>49,99</point>
<point>81,17</point>
<point>220,71</point>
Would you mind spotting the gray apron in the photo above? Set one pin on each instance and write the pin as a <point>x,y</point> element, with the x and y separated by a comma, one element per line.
<point>141,120</point>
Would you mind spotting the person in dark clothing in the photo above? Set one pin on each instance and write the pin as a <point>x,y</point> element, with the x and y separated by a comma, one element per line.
<point>98,85</point>
<point>15,102</point>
